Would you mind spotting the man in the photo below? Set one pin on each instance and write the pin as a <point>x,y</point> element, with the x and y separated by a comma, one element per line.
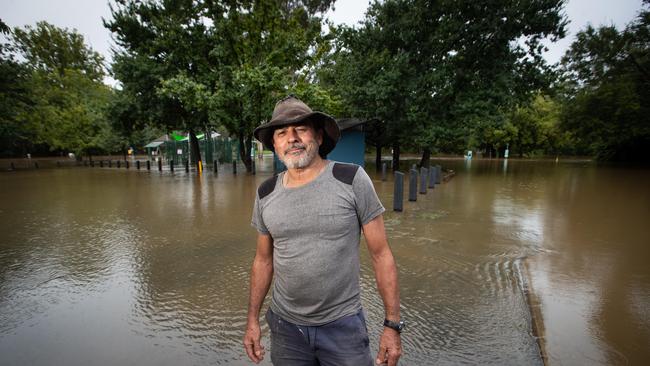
<point>309,220</point>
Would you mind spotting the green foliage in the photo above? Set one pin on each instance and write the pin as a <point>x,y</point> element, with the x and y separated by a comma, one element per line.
<point>193,96</point>
<point>15,137</point>
<point>608,90</point>
<point>68,111</point>
<point>319,98</point>
<point>265,50</point>
<point>49,49</point>
<point>159,42</point>
<point>54,98</point>
<point>535,129</point>
<point>440,74</point>
<point>198,65</point>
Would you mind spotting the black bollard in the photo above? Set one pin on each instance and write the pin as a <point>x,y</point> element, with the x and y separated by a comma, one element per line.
<point>148,165</point>
<point>110,163</point>
<point>187,166</point>
<point>398,193</point>
<point>438,174</point>
<point>424,174</point>
<point>234,167</point>
<point>253,166</point>
<point>432,177</point>
<point>12,166</point>
<point>101,163</point>
<point>383,172</point>
<point>215,165</point>
<point>413,185</point>
<point>36,165</point>
<point>118,164</point>
<point>126,163</point>
<point>137,164</point>
<point>160,165</point>
<point>171,165</point>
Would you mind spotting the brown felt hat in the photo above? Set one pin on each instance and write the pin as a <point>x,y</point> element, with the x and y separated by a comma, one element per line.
<point>291,110</point>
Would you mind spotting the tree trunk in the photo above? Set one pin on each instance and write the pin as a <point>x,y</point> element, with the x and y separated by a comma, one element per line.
<point>378,158</point>
<point>195,152</point>
<point>395,157</point>
<point>245,146</point>
<point>426,154</point>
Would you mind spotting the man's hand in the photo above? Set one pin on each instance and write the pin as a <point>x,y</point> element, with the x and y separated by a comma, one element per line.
<point>390,347</point>
<point>252,339</point>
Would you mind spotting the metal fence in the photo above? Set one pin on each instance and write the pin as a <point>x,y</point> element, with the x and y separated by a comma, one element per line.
<point>222,149</point>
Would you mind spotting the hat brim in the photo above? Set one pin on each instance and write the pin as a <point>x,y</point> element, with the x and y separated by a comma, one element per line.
<point>331,136</point>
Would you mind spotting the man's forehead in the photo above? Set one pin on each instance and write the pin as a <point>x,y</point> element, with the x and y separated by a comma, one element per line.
<point>297,124</point>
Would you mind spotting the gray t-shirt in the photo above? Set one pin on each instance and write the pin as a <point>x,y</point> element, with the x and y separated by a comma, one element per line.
<point>316,230</point>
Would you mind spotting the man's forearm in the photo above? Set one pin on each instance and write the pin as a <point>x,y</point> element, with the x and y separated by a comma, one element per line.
<point>387,283</point>
<point>384,264</point>
<point>261,275</point>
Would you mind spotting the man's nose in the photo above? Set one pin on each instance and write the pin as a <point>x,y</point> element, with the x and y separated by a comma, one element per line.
<point>292,135</point>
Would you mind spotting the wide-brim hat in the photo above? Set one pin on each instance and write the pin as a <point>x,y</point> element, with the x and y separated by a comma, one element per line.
<point>292,110</point>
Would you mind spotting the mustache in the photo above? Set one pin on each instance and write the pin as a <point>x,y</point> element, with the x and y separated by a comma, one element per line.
<point>295,146</point>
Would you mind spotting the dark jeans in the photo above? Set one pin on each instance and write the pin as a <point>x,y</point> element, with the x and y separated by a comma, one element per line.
<point>339,343</point>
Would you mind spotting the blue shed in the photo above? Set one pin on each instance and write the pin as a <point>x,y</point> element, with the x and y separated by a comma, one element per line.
<point>350,148</point>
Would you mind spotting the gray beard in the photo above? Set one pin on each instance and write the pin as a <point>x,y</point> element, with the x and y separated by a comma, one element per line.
<point>303,161</point>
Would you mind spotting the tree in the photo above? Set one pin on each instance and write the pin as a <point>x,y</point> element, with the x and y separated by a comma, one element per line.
<point>608,97</point>
<point>195,65</point>
<point>441,73</point>
<point>371,72</point>
<point>535,128</point>
<point>68,111</point>
<point>64,97</point>
<point>264,50</point>
<point>161,47</point>
<point>15,138</point>
<point>53,50</point>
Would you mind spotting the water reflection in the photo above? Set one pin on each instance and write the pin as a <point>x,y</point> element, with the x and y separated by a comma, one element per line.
<point>590,225</point>
<point>119,267</point>
<point>609,250</point>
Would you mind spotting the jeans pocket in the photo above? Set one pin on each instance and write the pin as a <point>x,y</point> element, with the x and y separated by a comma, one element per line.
<point>364,326</point>
<point>271,321</point>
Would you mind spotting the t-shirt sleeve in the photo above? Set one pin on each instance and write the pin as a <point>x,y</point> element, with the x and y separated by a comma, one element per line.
<point>257,221</point>
<point>367,202</point>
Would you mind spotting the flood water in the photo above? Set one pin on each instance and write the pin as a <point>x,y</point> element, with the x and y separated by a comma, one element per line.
<point>508,263</point>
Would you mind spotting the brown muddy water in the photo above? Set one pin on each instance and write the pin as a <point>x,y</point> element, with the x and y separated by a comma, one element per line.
<point>116,267</point>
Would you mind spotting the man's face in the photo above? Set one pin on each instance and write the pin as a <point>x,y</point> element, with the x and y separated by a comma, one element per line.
<point>297,145</point>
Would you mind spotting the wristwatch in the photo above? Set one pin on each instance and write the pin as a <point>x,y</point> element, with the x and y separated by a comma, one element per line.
<point>397,326</point>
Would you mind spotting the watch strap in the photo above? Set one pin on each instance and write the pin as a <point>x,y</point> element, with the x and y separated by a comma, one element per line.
<point>397,326</point>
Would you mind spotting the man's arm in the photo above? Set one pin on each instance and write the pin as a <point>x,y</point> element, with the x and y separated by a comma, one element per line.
<point>390,345</point>
<point>261,275</point>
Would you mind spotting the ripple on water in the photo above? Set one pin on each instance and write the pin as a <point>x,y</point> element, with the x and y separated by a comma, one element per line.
<point>460,308</point>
